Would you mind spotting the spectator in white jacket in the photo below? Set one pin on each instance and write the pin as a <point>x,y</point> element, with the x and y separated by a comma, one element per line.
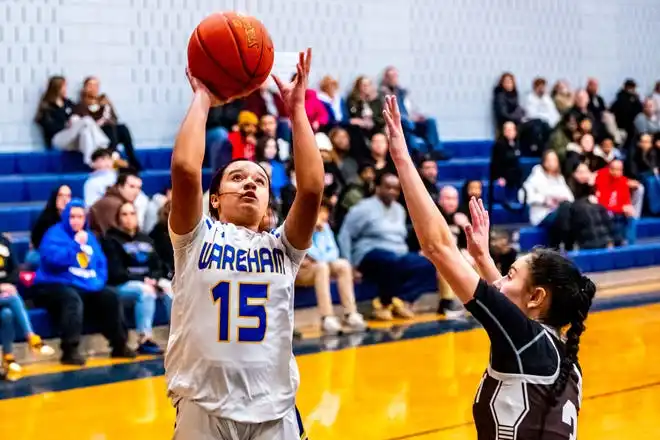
<point>102,178</point>
<point>549,197</point>
<point>539,104</point>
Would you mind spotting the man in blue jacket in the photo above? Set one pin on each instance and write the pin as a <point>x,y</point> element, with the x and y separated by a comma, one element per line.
<point>73,275</point>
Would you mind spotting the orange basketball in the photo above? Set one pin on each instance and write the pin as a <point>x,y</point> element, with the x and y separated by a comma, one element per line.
<point>231,54</point>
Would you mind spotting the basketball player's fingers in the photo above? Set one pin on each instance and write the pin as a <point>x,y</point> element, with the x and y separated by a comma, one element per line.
<point>301,62</point>
<point>388,121</point>
<point>484,211</point>
<point>474,211</point>
<point>469,232</point>
<point>395,108</point>
<point>278,82</point>
<point>308,59</point>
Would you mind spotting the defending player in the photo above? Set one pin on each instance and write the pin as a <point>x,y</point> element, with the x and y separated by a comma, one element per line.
<point>532,388</point>
<point>230,368</point>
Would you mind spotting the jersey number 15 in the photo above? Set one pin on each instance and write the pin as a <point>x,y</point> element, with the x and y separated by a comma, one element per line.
<point>251,304</point>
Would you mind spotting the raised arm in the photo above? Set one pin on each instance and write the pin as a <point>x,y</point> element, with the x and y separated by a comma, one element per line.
<point>187,159</point>
<point>301,219</point>
<point>435,237</point>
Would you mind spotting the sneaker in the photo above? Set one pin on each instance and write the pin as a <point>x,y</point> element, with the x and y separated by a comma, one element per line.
<point>330,325</point>
<point>38,346</point>
<point>73,358</point>
<point>355,321</point>
<point>10,368</point>
<point>381,312</point>
<point>123,352</point>
<point>451,309</point>
<point>149,347</point>
<point>401,309</point>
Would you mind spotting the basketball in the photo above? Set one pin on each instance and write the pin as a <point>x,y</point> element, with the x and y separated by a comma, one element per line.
<point>231,54</point>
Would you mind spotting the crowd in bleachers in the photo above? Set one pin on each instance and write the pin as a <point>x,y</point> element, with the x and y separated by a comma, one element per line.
<point>597,175</point>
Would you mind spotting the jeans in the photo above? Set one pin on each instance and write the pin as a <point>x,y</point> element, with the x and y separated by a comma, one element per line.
<point>12,310</point>
<point>215,138</point>
<point>422,134</point>
<point>69,305</point>
<point>135,292</point>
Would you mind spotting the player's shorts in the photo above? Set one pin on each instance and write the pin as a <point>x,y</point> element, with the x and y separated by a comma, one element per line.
<point>194,423</point>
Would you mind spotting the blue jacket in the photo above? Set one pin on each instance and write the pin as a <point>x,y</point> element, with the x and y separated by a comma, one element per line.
<point>324,247</point>
<point>64,261</point>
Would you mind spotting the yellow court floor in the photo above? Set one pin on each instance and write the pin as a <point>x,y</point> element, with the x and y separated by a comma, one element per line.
<point>418,388</point>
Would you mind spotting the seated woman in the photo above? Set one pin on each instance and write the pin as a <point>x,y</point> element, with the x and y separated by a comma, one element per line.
<point>643,162</point>
<point>71,283</point>
<point>583,152</point>
<point>99,108</point>
<point>162,243</point>
<point>505,170</point>
<point>50,216</point>
<point>12,312</point>
<point>329,95</point>
<point>549,197</point>
<point>341,146</point>
<point>63,129</point>
<point>506,105</point>
<point>365,114</point>
<point>321,264</point>
<point>267,152</point>
<point>135,270</point>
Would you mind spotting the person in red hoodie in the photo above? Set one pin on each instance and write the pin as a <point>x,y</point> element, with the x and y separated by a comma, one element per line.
<point>316,111</point>
<point>244,140</point>
<point>614,194</point>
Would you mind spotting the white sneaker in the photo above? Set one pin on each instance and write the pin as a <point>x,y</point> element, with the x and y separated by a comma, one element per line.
<point>331,325</point>
<point>356,322</point>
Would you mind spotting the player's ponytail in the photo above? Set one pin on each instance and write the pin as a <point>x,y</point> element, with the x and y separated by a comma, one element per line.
<point>571,296</point>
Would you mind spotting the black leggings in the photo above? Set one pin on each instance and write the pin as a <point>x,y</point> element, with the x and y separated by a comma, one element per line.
<point>67,305</point>
<point>119,134</point>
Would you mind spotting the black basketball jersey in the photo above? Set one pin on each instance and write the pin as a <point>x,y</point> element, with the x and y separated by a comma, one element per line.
<point>512,402</point>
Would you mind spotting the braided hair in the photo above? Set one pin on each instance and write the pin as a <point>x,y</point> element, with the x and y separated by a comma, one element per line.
<point>572,295</point>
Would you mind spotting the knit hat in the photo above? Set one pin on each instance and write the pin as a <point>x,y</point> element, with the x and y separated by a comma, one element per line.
<point>247,118</point>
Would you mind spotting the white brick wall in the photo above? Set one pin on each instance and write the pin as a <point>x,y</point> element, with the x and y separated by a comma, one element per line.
<point>450,52</point>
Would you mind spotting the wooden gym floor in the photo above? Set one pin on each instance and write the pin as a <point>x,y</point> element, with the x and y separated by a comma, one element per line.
<point>413,382</point>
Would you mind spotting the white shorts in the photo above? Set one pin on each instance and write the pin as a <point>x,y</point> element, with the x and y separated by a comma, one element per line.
<point>194,423</point>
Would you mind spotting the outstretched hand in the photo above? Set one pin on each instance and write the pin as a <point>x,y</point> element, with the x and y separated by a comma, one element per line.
<point>199,87</point>
<point>393,128</point>
<point>293,93</point>
<point>477,233</point>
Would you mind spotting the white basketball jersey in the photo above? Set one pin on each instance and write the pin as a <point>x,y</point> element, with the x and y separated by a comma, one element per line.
<point>230,345</point>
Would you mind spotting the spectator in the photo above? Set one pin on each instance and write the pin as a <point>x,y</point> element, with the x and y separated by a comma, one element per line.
<point>161,238</point>
<point>364,109</point>
<point>583,152</point>
<point>614,194</point>
<point>563,97</point>
<point>63,129</point>
<point>539,105</point>
<point>565,133</point>
<point>263,101</point>
<point>288,193</point>
<point>316,112</point>
<point>428,170</point>
<point>355,191</point>
<point>505,164</point>
<point>156,203</point>
<point>549,197</point>
<point>135,270</point>
<point>50,216</point>
<point>647,121</point>
<point>380,154</point>
<point>590,223</point>
<point>626,107</point>
<point>72,275</point>
<point>243,141</point>
<point>103,214</point>
<point>607,150</point>
<point>219,123</point>
<point>268,128</point>
<point>471,188</point>
<point>267,152</point>
<point>502,251</point>
<point>341,144</point>
<point>655,96</point>
<point>320,265</point>
<point>334,103</point>
<point>12,312</point>
<point>421,131</point>
<point>505,101</point>
<point>448,204</point>
<point>373,237</point>
<point>334,181</point>
<point>644,159</point>
<point>102,178</point>
<point>581,112</point>
<point>99,108</point>
<point>596,102</point>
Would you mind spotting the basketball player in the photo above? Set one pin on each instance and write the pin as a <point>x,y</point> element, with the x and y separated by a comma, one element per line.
<point>230,368</point>
<point>532,387</point>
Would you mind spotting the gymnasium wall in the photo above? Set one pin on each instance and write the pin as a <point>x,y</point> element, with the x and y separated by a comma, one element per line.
<point>450,52</point>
